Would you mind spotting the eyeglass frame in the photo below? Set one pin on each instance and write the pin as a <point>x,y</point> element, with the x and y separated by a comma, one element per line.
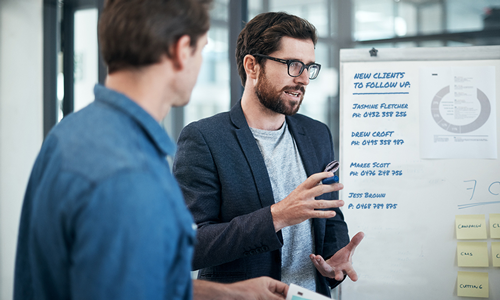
<point>290,61</point>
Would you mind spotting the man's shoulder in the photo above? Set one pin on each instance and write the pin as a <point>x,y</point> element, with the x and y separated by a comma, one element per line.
<point>220,119</point>
<point>95,147</point>
<point>215,125</point>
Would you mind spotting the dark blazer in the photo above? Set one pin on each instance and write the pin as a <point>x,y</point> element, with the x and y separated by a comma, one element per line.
<point>226,186</point>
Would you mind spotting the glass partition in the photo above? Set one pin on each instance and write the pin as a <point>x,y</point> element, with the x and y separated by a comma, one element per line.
<point>86,57</point>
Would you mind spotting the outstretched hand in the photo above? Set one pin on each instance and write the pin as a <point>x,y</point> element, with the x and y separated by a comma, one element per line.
<point>340,264</point>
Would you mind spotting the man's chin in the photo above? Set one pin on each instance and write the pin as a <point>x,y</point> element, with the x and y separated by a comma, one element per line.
<point>293,108</point>
<point>181,102</point>
<point>290,111</point>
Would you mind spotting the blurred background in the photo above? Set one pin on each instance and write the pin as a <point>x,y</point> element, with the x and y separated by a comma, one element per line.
<point>340,24</point>
<point>49,63</point>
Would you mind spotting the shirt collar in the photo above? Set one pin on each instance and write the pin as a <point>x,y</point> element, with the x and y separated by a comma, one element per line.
<point>152,128</point>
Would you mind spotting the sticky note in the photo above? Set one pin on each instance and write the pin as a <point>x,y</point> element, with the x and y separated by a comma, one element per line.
<point>495,253</point>
<point>470,227</point>
<point>472,254</point>
<point>495,226</point>
<point>472,284</point>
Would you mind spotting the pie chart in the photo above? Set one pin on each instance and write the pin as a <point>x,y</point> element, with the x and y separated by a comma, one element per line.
<point>480,120</point>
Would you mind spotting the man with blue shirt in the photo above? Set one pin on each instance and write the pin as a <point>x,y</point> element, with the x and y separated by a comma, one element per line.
<point>103,217</point>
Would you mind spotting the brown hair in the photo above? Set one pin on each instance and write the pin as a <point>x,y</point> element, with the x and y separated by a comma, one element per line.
<point>136,33</point>
<point>262,35</point>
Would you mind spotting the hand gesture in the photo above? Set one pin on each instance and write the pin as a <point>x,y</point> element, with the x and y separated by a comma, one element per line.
<point>300,204</point>
<point>340,264</point>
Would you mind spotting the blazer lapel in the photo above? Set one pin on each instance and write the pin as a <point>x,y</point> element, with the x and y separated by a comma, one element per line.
<point>306,149</point>
<point>253,156</point>
<point>311,164</point>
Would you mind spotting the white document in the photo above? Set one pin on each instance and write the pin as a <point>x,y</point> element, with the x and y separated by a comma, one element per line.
<point>296,292</point>
<point>458,114</point>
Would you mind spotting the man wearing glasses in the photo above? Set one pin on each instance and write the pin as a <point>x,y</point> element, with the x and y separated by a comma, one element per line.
<point>250,176</point>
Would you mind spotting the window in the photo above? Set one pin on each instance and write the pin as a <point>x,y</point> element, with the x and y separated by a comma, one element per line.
<point>86,57</point>
<point>211,92</point>
<point>321,92</point>
<point>340,24</point>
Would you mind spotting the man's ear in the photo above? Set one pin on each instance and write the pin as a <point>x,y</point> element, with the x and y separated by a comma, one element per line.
<point>181,51</point>
<point>251,66</point>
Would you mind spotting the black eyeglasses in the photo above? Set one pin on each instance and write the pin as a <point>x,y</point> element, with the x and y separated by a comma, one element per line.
<point>296,67</point>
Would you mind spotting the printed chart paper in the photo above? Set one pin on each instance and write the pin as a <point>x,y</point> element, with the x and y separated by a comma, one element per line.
<point>457,112</point>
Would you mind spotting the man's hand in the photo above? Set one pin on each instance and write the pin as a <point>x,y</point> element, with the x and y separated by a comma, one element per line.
<point>262,288</point>
<point>340,263</point>
<point>259,289</point>
<point>300,205</point>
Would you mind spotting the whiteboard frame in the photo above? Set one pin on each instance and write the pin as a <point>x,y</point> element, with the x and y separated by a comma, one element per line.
<point>420,54</point>
<point>410,54</point>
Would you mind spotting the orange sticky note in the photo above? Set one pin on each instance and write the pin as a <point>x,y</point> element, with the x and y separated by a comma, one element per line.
<point>473,284</point>
<point>472,254</point>
<point>470,227</point>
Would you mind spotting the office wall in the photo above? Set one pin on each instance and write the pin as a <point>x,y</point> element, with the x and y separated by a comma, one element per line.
<point>21,130</point>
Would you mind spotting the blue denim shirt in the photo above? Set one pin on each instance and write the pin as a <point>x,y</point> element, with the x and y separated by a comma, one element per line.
<point>103,217</point>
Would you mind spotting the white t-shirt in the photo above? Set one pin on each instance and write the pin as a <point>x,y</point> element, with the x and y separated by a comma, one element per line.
<point>286,172</point>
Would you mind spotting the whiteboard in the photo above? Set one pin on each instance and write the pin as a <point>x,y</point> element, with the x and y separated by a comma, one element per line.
<point>406,176</point>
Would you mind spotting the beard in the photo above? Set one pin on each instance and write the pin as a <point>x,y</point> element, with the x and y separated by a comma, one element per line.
<point>272,98</point>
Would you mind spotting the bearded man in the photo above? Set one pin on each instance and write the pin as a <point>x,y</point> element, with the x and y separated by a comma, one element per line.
<point>251,176</point>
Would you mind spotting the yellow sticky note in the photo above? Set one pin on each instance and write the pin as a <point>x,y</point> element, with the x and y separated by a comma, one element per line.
<point>495,226</point>
<point>495,253</point>
<point>470,227</point>
<point>472,254</point>
<point>472,284</point>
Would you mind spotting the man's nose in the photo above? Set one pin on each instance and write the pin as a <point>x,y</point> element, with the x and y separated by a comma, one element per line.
<point>303,78</point>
